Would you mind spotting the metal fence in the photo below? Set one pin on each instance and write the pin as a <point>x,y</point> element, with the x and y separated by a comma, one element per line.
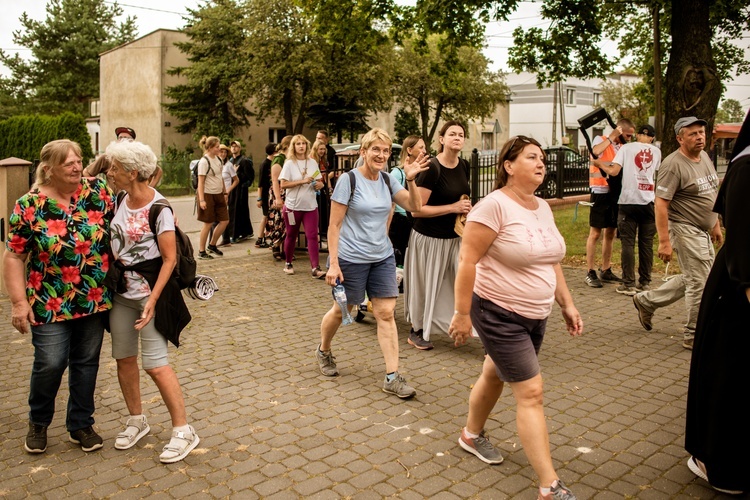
<point>565,177</point>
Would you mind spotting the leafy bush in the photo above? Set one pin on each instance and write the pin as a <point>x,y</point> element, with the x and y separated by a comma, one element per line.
<point>24,136</point>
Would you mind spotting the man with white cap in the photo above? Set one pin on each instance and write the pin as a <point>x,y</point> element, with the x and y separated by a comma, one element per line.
<point>686,188</point>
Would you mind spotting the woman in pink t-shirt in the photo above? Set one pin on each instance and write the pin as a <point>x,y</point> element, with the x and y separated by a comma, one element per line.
<point>510,259</point>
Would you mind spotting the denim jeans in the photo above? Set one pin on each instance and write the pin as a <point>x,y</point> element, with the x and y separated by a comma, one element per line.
<point>76,344</point>
<point>637,221</point>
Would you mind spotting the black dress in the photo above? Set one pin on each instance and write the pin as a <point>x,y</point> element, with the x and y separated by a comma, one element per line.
<point>238,199</point>
<point>717,431</point>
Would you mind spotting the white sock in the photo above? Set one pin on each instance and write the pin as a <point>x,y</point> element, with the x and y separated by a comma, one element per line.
<point>546,491</point>
<point>182,428</point>
<point>470,435</point>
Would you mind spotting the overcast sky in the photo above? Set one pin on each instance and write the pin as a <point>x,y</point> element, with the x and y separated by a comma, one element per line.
<point>168,14</point>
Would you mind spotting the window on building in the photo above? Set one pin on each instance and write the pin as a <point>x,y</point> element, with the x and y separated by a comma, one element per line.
<point>487,141</point>
<point>276,134</point>
<point>597,101</point>
<point>570,97</point>
<point>572,135</point>
<point>94,108</point>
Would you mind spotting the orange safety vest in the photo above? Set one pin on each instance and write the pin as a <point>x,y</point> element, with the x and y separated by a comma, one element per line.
<point>596,176</point>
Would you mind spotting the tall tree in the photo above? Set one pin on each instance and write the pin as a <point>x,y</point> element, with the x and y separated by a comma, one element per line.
<point>352,37</point>
<point>630,100</point>
<point>209,102</point>
<point>284,63</point>
<point>440,84</point>
<point>730,111</point>
<point>63,72</point>
<point>697,37</point>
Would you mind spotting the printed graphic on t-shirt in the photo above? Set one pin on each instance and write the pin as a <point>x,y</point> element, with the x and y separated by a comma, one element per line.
<point>644,163</point>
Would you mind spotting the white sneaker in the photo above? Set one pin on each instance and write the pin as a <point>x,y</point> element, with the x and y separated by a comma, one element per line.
<point>135,429</point>
<point>181,444</point>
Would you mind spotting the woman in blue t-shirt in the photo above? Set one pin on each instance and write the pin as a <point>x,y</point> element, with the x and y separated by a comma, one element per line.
<point>361,255</point>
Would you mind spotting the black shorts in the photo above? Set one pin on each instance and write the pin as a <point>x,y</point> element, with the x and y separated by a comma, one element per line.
<point>509,339</point>
<point>604,211</point>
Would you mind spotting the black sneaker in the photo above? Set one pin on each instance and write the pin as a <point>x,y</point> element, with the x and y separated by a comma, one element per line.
<point>87,438</point>
<point>214,249</point>
<point>592,279</point>
<point>205,255</point>
<point>36,439</point>
<point>607,276</point>
<point>417,340</point>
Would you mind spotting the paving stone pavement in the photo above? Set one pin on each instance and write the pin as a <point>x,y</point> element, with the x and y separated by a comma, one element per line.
<point>272,426</point>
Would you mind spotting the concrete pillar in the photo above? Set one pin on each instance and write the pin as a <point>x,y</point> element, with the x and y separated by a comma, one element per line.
<point>14,183</point>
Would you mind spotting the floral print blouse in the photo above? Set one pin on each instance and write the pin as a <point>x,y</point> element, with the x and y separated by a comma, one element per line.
<point>68,249</point>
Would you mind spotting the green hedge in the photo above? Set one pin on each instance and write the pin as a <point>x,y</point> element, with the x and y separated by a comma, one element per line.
<point>24,136</point>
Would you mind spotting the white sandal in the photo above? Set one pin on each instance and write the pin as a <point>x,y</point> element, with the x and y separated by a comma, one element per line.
<point>135,429</point>
<point>181,444</point>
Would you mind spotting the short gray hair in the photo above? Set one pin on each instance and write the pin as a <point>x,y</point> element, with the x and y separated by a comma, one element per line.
<point>133,156</point>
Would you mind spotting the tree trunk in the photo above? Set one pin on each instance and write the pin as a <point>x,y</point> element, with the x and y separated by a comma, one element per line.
<point>288,116</point>
<point>692,87</point>
<point>438,114</point>
<point>424,118</point>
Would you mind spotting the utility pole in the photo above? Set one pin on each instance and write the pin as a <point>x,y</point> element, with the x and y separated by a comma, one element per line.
<point>554,113</point>
<point>658,113</point>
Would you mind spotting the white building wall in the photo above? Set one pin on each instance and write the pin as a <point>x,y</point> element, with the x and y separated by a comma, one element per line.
<point>532,109</point>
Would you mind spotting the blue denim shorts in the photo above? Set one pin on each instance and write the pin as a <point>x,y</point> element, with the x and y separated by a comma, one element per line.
<point>378,279</point>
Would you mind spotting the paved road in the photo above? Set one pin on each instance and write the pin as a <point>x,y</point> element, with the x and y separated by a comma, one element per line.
<point>272,427</point>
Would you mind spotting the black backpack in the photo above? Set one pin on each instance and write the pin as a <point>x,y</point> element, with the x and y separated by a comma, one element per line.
<point>185,268</point>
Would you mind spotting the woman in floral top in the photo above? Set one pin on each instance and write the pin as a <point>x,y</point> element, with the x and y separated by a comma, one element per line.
<point>56,262</point>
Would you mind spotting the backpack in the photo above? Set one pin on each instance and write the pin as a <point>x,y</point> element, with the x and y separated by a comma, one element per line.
<point>353,183</point>
<point>185,268</point>
<point>194,172</point>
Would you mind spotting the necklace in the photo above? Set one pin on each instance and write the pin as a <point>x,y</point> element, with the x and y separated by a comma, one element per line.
<point>523,203</point>
<point>302,171</point>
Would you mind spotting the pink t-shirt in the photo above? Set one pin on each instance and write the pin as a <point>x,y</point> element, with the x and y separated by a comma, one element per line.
<point>517,271</point>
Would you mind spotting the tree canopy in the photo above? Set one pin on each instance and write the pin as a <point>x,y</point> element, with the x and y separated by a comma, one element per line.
<point>435,85</point>
<point>63,72</point>
<point>209,103</point>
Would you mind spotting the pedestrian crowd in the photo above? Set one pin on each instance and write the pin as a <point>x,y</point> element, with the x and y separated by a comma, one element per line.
<point>82,259</point>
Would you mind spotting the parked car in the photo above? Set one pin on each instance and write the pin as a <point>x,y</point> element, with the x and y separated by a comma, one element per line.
<point>567,173</point>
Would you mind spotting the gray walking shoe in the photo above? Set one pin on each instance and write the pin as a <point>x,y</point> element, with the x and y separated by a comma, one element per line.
<point>399,387</point>
<point>481,447</point>
<point>326,363</point>
<point>558,491</point>
<point>644,315</point>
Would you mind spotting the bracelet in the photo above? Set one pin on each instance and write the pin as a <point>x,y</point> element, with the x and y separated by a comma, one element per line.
<point>460,314</point>
<point>259,199</point>
<point>410,180</point>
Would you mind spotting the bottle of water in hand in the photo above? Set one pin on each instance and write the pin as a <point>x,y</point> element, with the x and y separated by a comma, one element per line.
<point>339,294</point>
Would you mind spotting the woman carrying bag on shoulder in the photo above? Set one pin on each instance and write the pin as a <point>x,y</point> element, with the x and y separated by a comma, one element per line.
<point>148,304</point>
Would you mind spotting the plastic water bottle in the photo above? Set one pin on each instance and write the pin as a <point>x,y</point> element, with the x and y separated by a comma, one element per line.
<point>339,294</point>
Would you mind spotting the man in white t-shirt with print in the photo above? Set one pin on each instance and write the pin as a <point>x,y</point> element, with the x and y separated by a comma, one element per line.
<point>638,162</point>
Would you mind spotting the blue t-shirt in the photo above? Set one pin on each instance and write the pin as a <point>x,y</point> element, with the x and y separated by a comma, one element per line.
<point>398,173</point>
<point>364,236</point>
